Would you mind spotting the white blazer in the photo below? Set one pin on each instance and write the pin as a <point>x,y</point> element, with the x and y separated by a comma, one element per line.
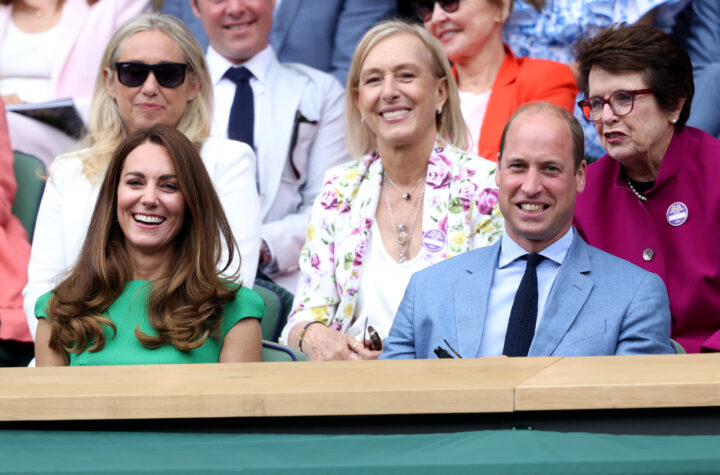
<point>69,200</point>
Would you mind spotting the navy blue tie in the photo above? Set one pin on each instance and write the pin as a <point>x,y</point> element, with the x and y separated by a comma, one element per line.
<point>523,316</point>
<point>242,114</point>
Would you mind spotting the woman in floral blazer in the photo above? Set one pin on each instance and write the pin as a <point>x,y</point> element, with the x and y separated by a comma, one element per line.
<point>392,89</point>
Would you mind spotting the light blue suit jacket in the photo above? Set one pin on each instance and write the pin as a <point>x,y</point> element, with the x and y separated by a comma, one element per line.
<point>598,305</point>
<point>319,33</point>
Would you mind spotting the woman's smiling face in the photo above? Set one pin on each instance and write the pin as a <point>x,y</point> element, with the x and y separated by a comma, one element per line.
<point>398,94</point>
<point>464,32</point>
<point>150,204</point>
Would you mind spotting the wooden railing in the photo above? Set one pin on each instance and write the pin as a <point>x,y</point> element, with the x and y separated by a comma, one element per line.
<point>497,385</point>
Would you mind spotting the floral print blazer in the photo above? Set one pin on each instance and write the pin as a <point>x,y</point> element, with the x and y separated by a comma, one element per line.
<point>460,213</point>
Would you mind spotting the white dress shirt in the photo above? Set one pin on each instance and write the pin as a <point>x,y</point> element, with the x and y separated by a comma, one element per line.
<point>224,88</point>
<point>506,280</point>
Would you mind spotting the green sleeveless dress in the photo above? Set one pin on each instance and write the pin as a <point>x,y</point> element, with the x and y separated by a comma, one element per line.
<point>129,311</point>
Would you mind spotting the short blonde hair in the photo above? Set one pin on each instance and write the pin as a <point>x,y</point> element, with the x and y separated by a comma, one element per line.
<point>450,123</point>
<point>107,126</point>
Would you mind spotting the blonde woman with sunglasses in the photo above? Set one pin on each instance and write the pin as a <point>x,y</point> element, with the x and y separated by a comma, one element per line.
<point>152,72</point>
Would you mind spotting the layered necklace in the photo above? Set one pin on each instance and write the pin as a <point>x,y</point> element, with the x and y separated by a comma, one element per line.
<point>402,234</point>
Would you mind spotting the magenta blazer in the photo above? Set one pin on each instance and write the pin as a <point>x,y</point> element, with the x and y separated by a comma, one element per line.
<point>675,233</point>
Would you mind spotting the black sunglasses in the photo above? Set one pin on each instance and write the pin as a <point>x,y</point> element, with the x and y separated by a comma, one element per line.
<point>133,74</point>
<point>424,8</point>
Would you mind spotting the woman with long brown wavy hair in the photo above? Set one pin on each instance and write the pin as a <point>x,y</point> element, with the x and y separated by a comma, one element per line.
<point>147,287</point>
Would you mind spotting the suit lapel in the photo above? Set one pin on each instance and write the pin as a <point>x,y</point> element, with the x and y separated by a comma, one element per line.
<point>282,99</point>
<point>568,295</point>
<point>352,239</point>
<point>282,19</point>
<point>74,14</point>
<point>471,298</point>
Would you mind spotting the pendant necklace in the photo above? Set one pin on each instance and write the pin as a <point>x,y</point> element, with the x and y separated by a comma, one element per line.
<point>405,195</point>
<point>401,232</point>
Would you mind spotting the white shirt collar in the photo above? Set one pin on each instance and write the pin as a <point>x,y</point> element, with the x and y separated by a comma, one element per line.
<point>556,252</point>
<point>258,64</point>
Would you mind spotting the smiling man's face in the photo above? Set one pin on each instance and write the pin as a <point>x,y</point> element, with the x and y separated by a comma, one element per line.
<point>237,29</point>
<point>537,180</point>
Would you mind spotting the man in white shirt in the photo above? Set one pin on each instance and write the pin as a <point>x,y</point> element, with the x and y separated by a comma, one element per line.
<point>297,116</point>
<point>541,290</point>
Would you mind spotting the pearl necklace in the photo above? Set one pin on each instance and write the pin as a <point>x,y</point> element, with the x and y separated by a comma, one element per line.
<point>405,196</point>
<point>632,188</point>
<point>401,233</point>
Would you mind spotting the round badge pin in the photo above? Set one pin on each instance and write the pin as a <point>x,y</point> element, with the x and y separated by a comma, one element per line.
<point>434,240</point>
<point>677,214</point>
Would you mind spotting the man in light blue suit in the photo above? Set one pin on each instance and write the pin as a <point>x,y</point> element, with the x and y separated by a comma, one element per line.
<point>586,302</point>
<point>318,33</point>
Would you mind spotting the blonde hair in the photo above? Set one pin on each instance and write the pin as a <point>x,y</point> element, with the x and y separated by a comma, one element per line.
<point>450,124</point>
<point>107,126</point>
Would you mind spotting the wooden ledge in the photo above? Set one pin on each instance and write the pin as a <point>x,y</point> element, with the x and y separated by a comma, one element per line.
<point>264,389</point>
<point>623,382</point>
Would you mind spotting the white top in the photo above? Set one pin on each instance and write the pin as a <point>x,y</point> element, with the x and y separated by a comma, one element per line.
<point>69,199</point>
<point>506,280</point>
<point>382,286</point>
<point>473,107</point>
<point>26,61</point>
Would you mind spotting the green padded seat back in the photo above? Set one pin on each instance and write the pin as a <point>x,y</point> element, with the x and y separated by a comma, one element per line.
<point>276,352</point>
<point>29,175</point>
<point>278,302</point>
<point>678,348</point>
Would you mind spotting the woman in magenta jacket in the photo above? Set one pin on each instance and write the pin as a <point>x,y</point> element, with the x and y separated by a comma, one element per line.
<point>654,198</point>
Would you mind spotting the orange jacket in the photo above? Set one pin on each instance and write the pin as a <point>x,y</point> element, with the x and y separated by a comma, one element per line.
<point>522,80</point>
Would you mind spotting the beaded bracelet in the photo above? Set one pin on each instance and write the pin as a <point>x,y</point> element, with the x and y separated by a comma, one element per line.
<point>302,333</point>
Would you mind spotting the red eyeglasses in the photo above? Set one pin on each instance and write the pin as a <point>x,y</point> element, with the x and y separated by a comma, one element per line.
<point>621,103</point>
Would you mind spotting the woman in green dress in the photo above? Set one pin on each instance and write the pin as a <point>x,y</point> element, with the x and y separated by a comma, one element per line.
<point>146,288</point>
